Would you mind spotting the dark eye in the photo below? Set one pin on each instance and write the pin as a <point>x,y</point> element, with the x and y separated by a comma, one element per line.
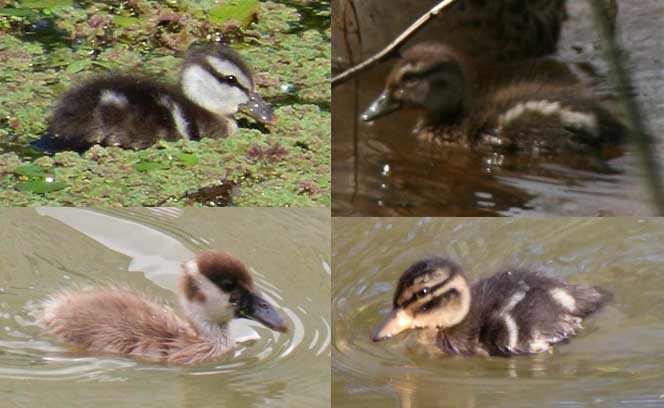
<point>231,79</point>
<point>227,285</point>
<point>422,292</point>
<point>409,76</point>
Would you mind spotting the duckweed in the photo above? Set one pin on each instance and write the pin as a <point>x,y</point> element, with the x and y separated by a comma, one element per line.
<point>46,49</point>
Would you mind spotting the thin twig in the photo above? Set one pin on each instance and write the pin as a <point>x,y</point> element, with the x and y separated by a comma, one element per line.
<point>387,51</point>
<point>643,139</point>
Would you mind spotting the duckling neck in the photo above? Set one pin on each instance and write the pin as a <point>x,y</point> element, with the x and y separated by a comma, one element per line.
<point>215,333</point>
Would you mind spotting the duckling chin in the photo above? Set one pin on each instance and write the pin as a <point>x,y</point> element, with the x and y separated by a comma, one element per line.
<point>135,112</point>
<point>214,289</point>
<point>510,313</point>
<point>528,115</point>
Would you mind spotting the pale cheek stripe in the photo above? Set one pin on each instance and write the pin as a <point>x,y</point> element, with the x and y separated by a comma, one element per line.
<point>203,89</point>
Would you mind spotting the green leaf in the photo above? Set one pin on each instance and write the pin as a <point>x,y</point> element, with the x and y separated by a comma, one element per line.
<point>77,66</point>
<point>240,10</point>
<point>103,65</point>
<point>122,21</point>
<point>188,159</point>
<point>43,4</point>
<point>16,12</point>
<point>30,170</point>
<point>149,166</point>
<point>40,187</point>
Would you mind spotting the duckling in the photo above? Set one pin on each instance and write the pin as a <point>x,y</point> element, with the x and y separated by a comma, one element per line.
<point>135,112</point>
<point>214,288</point>
<point>513,115</point>
<point>510,313</point>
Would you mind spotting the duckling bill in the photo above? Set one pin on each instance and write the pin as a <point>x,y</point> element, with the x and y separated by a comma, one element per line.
<point>131,111</point>
<point>214,289</point>
<point>516,115</point>
<point>510,313</point>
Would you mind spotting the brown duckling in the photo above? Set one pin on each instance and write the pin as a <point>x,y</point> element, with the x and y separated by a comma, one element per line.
<point>510,313</point>
<point>135,112</point>
<point>517,115</point>
<point>214,289</point>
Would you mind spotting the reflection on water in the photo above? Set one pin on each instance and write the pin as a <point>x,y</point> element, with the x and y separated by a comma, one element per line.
<point>426,179</point>
<point>615,361</point>
<point>53,248</point>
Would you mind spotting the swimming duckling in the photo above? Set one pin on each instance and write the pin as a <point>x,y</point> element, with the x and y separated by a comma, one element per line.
<point>517,115</point>
<point>510,313</point>
<point>135,112</point>
<point>214,288</point>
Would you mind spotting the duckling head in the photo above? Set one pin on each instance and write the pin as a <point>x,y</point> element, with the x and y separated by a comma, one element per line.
<point>429,77</point>
<point>216,288</point>
<point>431,294</point>
<point>216,78</point>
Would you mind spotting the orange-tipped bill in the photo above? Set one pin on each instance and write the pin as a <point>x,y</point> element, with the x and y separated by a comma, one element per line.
<point>397,322</point>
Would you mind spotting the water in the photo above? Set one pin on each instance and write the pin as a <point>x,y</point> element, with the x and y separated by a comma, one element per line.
<point>381,169</point>
<point>44,250</point>
<point>615,361</point>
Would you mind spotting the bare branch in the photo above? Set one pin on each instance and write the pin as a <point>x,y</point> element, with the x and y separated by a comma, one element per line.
<point>387,51</point>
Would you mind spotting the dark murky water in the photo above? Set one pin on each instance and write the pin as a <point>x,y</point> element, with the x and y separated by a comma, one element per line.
<point>380,169</point>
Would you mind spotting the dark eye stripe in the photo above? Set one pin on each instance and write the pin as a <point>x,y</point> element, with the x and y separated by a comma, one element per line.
<point>432,289</point>
<point>223,78</point>
<point>438,300</point>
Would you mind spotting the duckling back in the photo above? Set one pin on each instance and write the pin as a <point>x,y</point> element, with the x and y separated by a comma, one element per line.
<point>544,118</point>
<point>120,321</point>
<point>130,112</point>
<point>521,312</point>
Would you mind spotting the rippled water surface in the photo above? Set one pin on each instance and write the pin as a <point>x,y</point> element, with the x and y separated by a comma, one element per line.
<point>381,169</point>
<point>46,249</point>
<point>616,361</point>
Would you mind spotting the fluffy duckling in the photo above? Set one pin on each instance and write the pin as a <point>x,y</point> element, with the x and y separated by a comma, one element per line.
<point>510,313</point>
<point>214,289</point>
<point>135,112</point>
<point>514,115</point>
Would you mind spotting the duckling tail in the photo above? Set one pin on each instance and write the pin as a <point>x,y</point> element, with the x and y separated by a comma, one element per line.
<point>589,299</point>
